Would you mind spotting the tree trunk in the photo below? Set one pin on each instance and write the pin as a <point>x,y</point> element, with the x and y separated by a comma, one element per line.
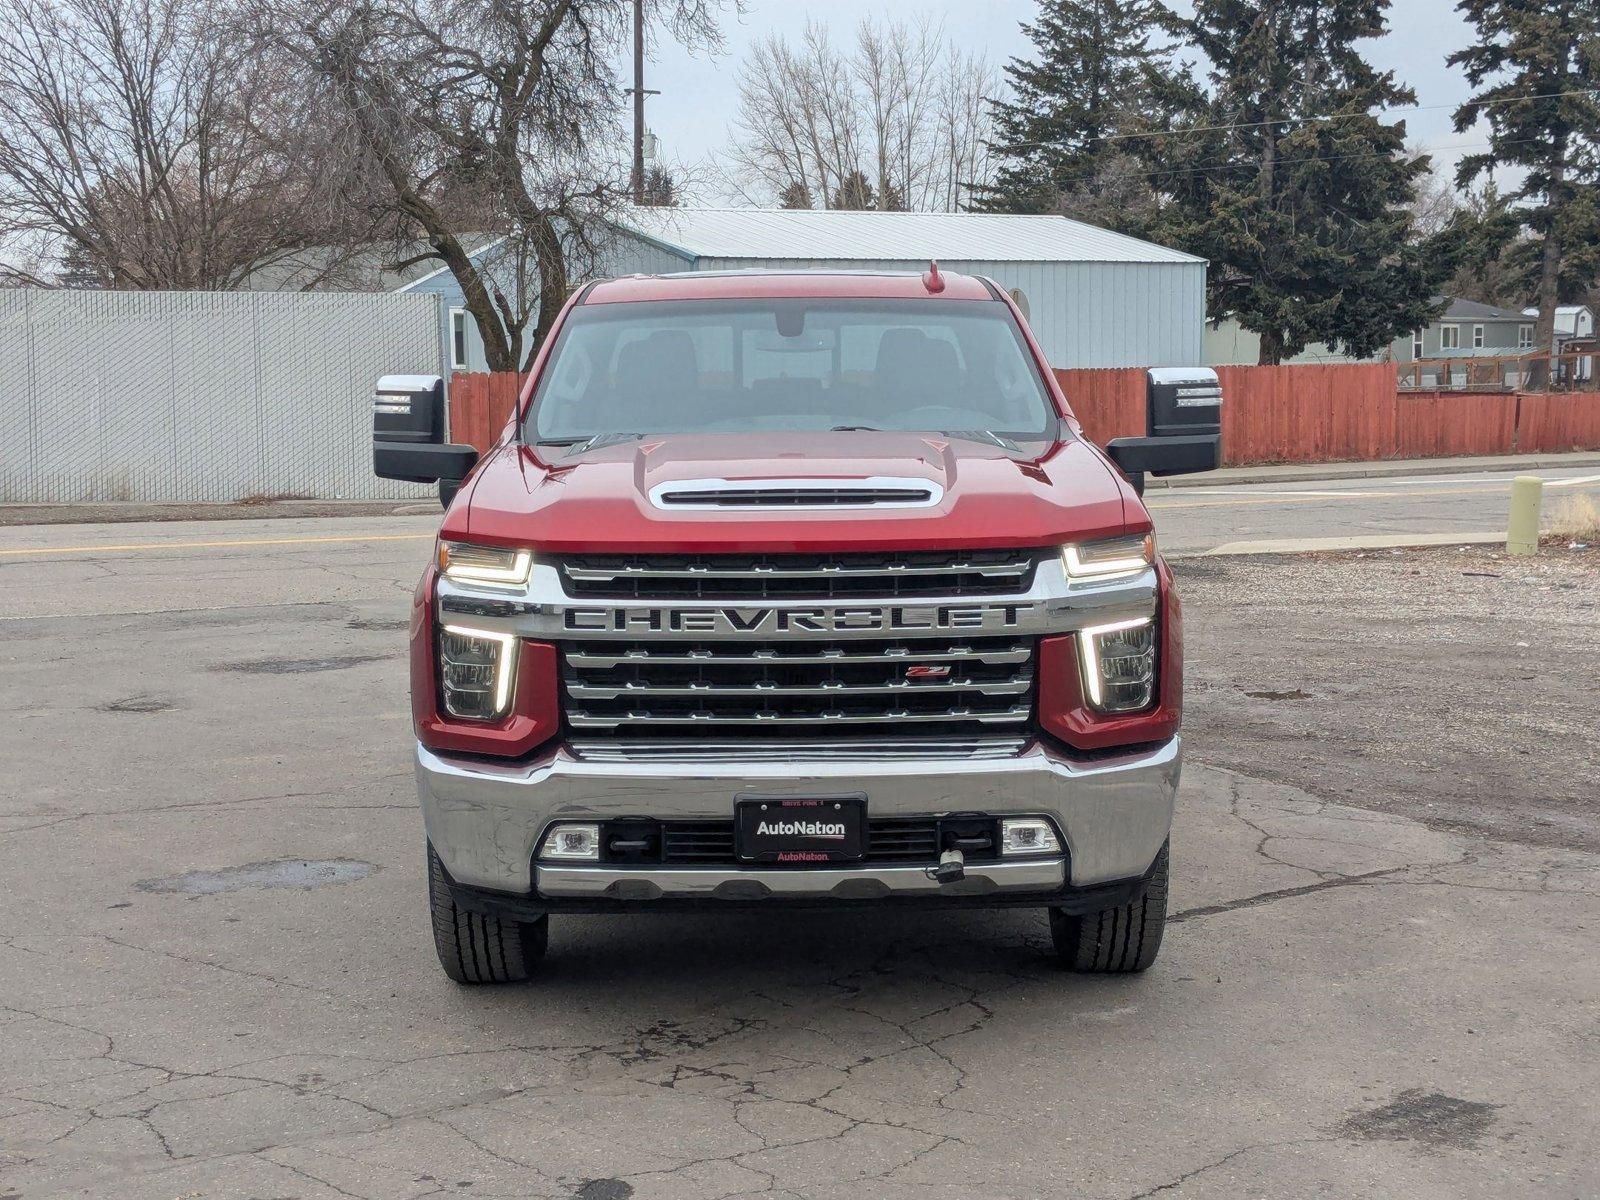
<point>1271,349</point>
<point>1544,328</point>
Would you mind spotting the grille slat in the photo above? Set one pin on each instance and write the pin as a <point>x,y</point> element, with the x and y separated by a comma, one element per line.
<point>1005,687</point>
<point>779,656</point>
<point>891,575</point>
<point>588,720</point>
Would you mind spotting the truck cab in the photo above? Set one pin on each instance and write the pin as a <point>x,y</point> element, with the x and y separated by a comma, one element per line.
<point>795,589</point>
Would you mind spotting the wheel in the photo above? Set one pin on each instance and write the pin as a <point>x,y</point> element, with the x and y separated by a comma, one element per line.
<point>474,948</point>
<point>1117,940</point>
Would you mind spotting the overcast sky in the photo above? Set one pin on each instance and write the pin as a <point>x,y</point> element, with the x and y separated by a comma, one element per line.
<point>700,94</point>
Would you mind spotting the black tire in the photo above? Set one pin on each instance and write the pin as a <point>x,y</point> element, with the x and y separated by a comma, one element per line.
<point>1115,941</point>
<point>474,948</point>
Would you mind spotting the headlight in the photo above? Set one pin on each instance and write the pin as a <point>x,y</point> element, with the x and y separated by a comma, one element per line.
<point>494,566</point>
<point>1113,558</point>
<point>476,667</point>
<point>1119,664</point>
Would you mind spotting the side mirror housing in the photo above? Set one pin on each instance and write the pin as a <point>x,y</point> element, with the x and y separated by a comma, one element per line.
<point>1183,421</point>
<point>408,432</point>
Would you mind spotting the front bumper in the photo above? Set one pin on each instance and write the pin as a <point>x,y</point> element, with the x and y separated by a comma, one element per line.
<point>485,820</point>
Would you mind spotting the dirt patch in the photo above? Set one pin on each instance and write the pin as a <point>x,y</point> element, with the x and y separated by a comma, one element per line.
<point>1455,686</point>
<point>282,873</point>
<point>1431,1119</point>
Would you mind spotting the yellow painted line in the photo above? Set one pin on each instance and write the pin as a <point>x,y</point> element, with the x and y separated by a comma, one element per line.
<point>134,547</point>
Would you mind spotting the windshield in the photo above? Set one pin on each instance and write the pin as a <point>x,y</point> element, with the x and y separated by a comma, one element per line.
<point>685,366</point>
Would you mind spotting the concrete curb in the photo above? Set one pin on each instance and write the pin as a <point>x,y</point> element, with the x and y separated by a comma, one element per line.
<point>1306,472</point>
<point>1391,541</point>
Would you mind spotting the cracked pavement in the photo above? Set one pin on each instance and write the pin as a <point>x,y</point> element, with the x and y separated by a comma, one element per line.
<point>1348,1001</point>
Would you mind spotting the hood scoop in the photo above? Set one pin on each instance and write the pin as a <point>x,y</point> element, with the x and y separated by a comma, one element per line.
<point>796,494</point>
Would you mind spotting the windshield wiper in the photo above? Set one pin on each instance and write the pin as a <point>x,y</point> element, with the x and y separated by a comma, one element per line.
<point>577,445</point>
<point>982,435</point>
<point>854,429</point>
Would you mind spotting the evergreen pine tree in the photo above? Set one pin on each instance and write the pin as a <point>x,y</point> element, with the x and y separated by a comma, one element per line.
<point>1536,67</point>
<point>1100,73</point>
<point>796,195</point>
<point>1291,184</point>
<point>854,192</point>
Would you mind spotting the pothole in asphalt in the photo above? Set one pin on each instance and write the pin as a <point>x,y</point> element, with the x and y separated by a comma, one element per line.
<point>136,704</point>
<point>382,624</point>
<point>1431,1118</point>
<point>300,666</point>
<point>604,1189</point>
<point>302,873</point>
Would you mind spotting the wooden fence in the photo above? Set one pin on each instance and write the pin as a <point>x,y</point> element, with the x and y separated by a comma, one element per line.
<point>1346,412</point>
<point>1306,413</point>
<point>480,405</point>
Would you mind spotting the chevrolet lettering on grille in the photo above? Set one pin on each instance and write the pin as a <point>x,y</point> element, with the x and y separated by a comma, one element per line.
<point>742,620</point>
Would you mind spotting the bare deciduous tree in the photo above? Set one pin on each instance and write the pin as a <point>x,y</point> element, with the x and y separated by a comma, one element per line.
<point>485,115</point>
<point>144,148</point>
<point>899,122</point>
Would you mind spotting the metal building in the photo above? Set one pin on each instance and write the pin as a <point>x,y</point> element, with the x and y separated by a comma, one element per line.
<point>1094,298</point>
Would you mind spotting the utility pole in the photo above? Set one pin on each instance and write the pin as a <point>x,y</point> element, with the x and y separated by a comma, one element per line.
<point>638,101</point>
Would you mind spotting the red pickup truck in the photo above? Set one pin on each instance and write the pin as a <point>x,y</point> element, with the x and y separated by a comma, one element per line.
<point>795,589</point>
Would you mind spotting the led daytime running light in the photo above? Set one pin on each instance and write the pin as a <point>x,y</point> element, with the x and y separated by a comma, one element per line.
<point>456,561</point>
<point>505,661</point>
<point>1082,563</point>
<point>1089,648</point>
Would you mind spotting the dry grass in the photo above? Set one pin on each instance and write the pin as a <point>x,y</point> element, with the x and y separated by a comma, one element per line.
<point>1577,517</point>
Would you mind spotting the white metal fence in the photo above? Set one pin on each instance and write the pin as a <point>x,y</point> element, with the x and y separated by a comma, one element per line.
<point>173,396</point>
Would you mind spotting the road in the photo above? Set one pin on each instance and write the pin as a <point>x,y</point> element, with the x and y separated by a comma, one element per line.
<point>216,979</point>
<point>1241,517</point>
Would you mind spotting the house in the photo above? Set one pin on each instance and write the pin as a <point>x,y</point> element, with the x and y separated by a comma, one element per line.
<point>1573,321</point>
<point>1093,298</point>
<point>1464,329</point>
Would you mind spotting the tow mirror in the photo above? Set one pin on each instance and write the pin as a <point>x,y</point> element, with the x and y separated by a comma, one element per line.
<point>1183,419</point>
<point>408,432</point>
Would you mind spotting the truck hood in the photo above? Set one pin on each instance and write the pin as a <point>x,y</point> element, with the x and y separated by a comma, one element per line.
<point>599,501</point>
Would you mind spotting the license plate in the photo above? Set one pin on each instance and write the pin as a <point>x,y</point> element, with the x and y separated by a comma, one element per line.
<point>827,829</point>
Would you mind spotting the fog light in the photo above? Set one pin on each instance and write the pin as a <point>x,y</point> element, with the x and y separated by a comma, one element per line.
<point>572,842</point>
<point>1028,835</point>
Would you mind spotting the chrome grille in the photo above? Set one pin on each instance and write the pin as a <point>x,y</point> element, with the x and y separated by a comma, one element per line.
<point>940,685</point>
<point>888,575</point>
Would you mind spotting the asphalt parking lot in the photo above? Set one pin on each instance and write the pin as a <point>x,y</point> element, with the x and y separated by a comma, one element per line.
<point>216,978</point>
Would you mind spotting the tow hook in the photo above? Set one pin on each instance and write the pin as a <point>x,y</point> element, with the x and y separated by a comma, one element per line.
<point>951,867</point>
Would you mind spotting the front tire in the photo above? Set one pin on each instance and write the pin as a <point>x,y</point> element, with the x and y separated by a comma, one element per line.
<point>474,948</point>
<point>1118,940</point>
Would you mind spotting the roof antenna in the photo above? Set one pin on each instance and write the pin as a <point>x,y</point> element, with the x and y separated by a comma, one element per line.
<point>932,280</point>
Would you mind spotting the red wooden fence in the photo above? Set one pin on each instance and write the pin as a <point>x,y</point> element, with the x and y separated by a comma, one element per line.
<point>1307,413</point>
<point>1345,412</point>
<point>480,405</point>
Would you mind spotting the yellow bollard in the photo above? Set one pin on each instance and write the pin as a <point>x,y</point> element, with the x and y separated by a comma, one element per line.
<point>1522,534</point>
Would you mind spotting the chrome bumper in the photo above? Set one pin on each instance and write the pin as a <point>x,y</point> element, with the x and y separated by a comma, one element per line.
<point>485,819</point>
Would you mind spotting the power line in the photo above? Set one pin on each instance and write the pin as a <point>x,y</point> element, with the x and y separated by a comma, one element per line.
<point>1157,133</point>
